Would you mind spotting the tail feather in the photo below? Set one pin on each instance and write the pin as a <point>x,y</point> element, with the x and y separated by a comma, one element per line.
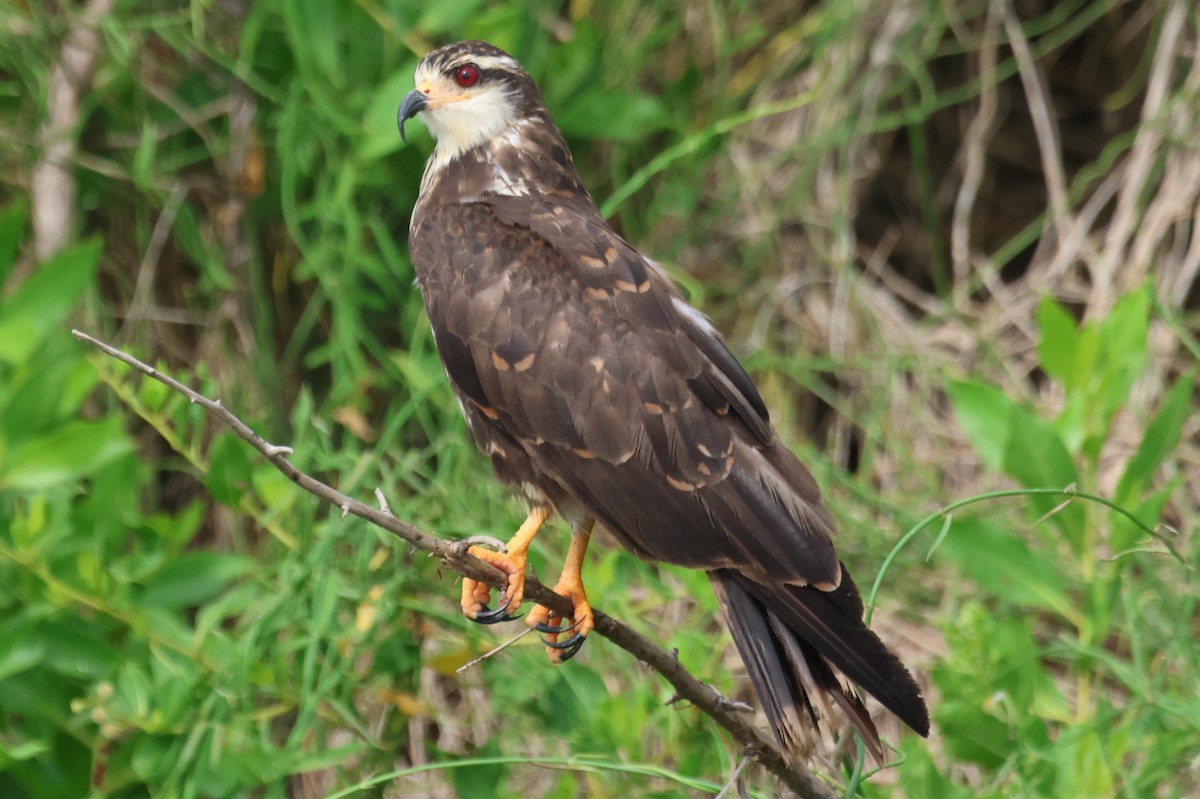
<point>818,682</point>
<point>794,642</point>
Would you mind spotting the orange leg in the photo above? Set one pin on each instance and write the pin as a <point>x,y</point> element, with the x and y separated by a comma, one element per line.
<point>570,585</point>
<point>475,595</point>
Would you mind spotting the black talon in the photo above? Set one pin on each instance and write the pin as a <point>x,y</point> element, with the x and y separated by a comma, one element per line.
<point>573,652</point>
<point>542,627</point>
<point>575,641</point>
<point>496,616</point>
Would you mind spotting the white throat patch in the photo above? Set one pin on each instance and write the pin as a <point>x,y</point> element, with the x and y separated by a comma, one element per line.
<point>459,126</point>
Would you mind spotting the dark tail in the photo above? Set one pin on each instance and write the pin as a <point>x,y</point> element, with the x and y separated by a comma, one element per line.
<point>795,640</point>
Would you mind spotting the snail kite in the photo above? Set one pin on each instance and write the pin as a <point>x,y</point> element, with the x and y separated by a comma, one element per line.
<point>601,395</point>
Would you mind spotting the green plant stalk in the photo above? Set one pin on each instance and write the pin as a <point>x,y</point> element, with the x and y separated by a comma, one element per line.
<point>962,503</point>
<point>581,764</point>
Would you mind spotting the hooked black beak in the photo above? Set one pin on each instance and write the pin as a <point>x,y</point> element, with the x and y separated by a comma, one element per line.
<point>414,103</point>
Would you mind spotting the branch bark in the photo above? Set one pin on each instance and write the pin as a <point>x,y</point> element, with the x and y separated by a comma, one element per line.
<point>704,697</point>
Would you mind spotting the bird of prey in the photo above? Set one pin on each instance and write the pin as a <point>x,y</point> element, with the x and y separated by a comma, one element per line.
<point>602,396</point>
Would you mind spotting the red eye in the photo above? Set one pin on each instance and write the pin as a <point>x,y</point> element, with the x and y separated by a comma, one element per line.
<point>467,75</point>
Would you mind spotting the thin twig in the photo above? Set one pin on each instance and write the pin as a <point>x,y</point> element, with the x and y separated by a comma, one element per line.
<point>704,697</point>
<point>494,651</point>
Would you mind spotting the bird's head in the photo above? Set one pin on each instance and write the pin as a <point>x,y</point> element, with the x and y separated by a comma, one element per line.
<point>467,93</point>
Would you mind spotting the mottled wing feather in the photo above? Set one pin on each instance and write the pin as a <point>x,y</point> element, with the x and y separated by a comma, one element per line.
<point>577,348</point>
<point>607,268</point>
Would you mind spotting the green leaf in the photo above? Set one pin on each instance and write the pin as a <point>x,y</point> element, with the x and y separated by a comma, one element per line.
<point>176,529</point>
<point>1083,768</point>
<point>984,413</point>
<point>1121,357</point>
<point>1056,349</point>
<point>76,651</point>
<point>44,299</point>
<point>21,750</point>
<point>1161,438</point>
<point>228,470</point>
<point>193,578</point>
<point>1035,455</point>
<point>1123,336</point>
<point>1037,458</point>
<point>621,115</point>
<point>1004,565</point>
<point>380,136</point>
<point>74,450</point>
<point>20,649</point>
<point>153,757</point>
<point>973,735</point>
<point>315,30</point>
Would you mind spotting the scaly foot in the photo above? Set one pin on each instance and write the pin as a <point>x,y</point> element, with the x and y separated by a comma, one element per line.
<point>582,622</point>
<point>476,595</point>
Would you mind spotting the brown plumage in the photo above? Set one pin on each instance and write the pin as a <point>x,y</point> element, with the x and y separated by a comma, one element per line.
<point>598,392</point>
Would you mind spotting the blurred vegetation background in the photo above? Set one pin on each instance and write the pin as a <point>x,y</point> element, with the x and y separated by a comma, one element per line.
<point>956,244</point>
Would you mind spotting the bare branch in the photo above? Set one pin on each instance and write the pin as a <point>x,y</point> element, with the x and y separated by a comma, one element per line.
<point>705,698</point>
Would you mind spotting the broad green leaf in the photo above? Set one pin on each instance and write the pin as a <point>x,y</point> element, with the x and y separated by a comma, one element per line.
<point>1073,420</point>
<point>380,135</point>
<point>20,649</point>
<point>192,578</point>
<point>984,413</point>
<point>1161,438</point>
<point>74,650</point>
<point>973,735</point>
<point>44,299</point>
<point>1004,565</point>
<point>1056,348</point>
<point>1035,455</point>
<point>1037,458</point>
<point>46,391</point>
<point>277,492</point>
<point>73,451</point>
<point>1121,358</point>
<point>1123,332</point>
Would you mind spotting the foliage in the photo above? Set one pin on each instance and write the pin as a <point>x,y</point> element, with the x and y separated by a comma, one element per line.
<point>939,303</point>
